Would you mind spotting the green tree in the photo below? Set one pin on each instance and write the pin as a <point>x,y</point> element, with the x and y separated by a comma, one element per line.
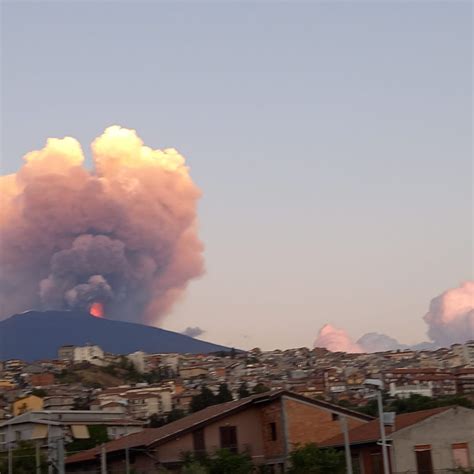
<point>156,421</point>
<point>39,392</point>
<point>97,435</point>
<point>260,388</point>
<point>175,414</point>
<point>224,394</point>
<point>309,459</point>
<point>202,400</point>
<point>195,467</point>
<point>24,459</point>
<point>244,390</point>
<point>227,462</point>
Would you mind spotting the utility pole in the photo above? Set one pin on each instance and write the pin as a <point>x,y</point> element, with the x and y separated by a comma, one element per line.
<point>60,458</point>
<point>38,457</point>
<point>103,460</point>
<point>10,450</point>
<point>127,461</point>
<point>50,447</point>
<point>386,468</point>
<point>347,446</point>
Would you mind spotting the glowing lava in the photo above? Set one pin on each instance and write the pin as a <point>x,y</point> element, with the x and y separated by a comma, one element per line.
<point>97,310</point>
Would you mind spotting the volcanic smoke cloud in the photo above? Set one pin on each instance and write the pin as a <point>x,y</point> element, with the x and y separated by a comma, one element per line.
<point>123,235</point>
<point>450,320</point>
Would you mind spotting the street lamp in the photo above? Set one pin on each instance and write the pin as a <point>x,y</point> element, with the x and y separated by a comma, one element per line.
<point>377,385</point>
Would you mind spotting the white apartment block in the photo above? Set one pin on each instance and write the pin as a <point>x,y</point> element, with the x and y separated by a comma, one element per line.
<point>465,352</point>
<point>89,353</point>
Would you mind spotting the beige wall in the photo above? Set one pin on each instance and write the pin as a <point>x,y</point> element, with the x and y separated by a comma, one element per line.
<point>249,432</point>
<point>440,431</point>
<point>30,403</point>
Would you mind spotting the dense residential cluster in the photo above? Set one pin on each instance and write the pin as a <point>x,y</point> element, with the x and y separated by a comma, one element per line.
<point>145,402</point>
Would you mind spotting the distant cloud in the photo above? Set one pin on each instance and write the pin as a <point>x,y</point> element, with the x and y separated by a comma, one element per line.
<point>450,317</point>
<point>376,342</point>
<point>450,320</point>
<point>193,331</point>
<point>336,340</point>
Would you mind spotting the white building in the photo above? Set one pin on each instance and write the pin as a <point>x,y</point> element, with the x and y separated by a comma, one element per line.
<point>138,359</point>
<point>465,352</point>
<point>89,353</point>
<point>67,424</point>
<point>404,391</point>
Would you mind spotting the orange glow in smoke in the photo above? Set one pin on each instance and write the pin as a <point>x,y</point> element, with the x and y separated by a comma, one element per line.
<point>97,310</point>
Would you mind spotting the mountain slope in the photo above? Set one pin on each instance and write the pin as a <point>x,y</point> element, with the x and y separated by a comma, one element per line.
<point>38,335</point>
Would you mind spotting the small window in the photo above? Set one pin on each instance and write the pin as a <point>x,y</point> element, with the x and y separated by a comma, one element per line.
<point>228,435</point>
<point>461,455</point>
<point>335,417</point>
<point>424,463</point>
<point>273,431</point>
<point>199,443</point>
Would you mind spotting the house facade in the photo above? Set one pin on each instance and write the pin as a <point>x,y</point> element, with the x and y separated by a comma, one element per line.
<point>267,427</point>
<point>67,424</point>
<point>424,442</point>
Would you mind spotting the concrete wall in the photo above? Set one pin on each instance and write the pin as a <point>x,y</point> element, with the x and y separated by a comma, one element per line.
<point>440,431</point>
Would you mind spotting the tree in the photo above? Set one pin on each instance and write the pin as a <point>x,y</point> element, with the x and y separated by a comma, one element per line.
<point>97,435</point>
<point>203,400</point>
<point>194,467</point>
<point>39,392</point>
<point>309,459</point>
<point>175,414</point>
<point>227,462</point>
<point>156,421</point>
<point>260,388</point>
<point>24,459</point>
<point>244,390</point>
<point>224,394</point>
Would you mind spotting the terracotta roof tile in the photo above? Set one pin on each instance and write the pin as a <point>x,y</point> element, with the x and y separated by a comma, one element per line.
<point>370,432</point>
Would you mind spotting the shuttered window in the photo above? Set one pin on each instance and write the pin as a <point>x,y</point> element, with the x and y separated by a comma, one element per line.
<point>424,463</point>
<point>461,455</point>
<point>228,435</point>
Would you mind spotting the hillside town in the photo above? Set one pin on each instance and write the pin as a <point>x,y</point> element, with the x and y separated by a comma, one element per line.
<point>126,395</point>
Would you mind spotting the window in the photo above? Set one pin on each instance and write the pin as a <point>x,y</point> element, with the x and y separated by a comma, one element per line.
<point>228,436</point>
<point>461,455</point>
<point>424,464</point>
<point>334,416</point>
<point>273,431</point>
<point>199,443</point>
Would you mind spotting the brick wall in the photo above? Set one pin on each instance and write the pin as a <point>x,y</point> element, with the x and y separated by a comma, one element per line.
<point>311,424</point>
<point>272,414</point>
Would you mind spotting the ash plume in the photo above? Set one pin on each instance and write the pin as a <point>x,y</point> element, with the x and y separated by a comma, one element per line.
<point>123,234</point>
<point>450,320</point>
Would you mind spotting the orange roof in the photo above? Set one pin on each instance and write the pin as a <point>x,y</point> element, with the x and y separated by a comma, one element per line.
<point>370,432</point>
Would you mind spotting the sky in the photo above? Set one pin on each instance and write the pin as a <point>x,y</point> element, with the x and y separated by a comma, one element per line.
<point>332,142</point>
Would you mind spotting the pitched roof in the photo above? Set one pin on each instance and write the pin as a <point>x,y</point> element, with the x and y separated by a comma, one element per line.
<point>156,436</point>
<point>370,432</point>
